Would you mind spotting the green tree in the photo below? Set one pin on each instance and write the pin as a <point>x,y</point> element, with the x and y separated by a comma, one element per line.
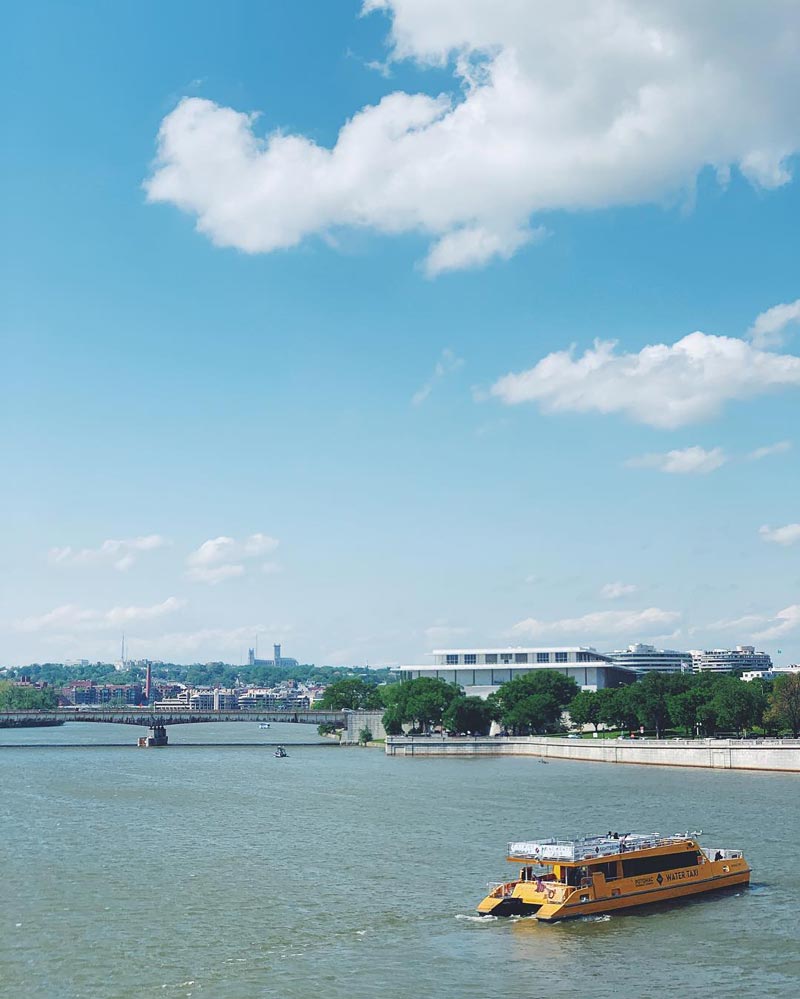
<point>650,699</point>
<point>617,708</point>
<point>534,701</point>
<point>364,737</point>
<point>686,709</point>
<point>16,698</point>
<point>585,709</point>
<point>393,720</point>
<point>420,702</point>
<point>469,714</point>
<point>353,693</point>
<point>738,705</point>
<point>784,703</point>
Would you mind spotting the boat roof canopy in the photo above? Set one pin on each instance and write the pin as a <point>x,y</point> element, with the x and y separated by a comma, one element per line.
<point>592,847</point>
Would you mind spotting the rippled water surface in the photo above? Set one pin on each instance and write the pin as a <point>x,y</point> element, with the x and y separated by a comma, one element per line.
<point>212,870</point>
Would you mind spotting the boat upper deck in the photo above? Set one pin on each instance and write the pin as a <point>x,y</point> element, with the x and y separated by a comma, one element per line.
<point>591,847</point>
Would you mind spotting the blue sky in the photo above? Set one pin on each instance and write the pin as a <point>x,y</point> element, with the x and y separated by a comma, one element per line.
<point>255,387</point>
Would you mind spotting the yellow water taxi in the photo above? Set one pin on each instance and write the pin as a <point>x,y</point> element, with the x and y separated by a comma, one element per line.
<point>562,879</point>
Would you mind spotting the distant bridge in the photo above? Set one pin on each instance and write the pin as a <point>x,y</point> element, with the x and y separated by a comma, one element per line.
<point>157,721</point>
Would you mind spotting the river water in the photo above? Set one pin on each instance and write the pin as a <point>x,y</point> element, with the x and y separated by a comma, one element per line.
<point>221,871</point>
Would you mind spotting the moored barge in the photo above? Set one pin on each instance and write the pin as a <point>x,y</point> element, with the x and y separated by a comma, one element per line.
<point>562,879</point>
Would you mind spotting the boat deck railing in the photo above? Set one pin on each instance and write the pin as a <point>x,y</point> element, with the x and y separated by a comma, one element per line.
<point>723,854</point>
<point>590,847</point>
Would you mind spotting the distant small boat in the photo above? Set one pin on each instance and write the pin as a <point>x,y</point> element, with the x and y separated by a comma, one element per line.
<point>264,725</point>
<point>280,752</point>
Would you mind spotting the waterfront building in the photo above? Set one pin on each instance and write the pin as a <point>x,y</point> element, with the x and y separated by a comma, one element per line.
<point>213,699</point>
<point>481,671</point>
<point>649,659</point>
<point>277,658</point>
<point>743,657</point>
<point>259,697</point>
<point>90,692</point>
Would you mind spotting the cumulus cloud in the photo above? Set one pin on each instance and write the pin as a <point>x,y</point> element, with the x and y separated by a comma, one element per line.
<point>764,452</point>
<point>552,107</point>
<point>663,385</point>
<point>119,554</point>
<point>786,621</point>
<point>222,558</point>
<point>682,461</point>
<point>745,622</point>
<point>213,574</point>
<point>769,328</point>
<point>770,626</point>
<point>447,362</point>
<point>643,622</point>
<point>71,617</point>
<point>613,591</point>
<point>789,534</point>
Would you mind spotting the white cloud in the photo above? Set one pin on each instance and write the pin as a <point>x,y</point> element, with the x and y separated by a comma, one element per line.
<point>70,617</point>
<point>786,621</point>
<point>682,461</point>
<point>553,107</point>
<point>789,534</point>
<point>613,591</point>
<point>769,327</point>
<point>772,626</point>
<point>222,558</point>
<point>120,554</point>
<point>633,623</point>
<point>447,362</point>
<point>663,385</point>
<point>769,449</point>
<point>745,622</point>
<point>214,574</point>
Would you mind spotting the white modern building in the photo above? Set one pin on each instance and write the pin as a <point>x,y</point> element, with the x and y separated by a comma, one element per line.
<point>769,674</point>
<point>743,657</point>
<point>649,659</point>
<point>481,671</point>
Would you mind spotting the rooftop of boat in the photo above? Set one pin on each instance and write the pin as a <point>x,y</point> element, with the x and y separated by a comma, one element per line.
<point>589,847</point>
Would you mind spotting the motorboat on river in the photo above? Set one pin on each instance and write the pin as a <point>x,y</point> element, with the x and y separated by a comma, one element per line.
<point>562,879</point>
<point>281,753</point>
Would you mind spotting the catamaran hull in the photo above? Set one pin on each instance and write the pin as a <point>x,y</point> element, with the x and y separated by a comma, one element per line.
<point>550,913</point>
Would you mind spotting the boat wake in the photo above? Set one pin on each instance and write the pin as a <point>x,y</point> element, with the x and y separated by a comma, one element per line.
<point>485,920</point>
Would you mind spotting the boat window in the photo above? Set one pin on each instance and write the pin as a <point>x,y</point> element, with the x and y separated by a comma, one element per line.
<point>666,862</point>
<point>609,870</point>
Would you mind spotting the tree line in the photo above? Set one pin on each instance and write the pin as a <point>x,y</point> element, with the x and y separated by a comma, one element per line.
<point>700,704</point>
<point>197,674</point>
<point>697,704</point>
<point>14,698</point>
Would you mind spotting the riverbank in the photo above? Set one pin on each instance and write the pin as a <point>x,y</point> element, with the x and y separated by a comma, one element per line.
<point>714,754</point>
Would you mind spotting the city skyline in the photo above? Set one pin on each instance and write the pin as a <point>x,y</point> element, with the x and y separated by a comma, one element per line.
<point>394,335</point>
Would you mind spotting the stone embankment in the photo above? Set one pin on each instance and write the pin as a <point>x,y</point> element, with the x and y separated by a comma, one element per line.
<point>716,754</point>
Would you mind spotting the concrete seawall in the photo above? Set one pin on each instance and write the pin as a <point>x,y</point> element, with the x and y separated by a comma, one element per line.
<point>716,754</point>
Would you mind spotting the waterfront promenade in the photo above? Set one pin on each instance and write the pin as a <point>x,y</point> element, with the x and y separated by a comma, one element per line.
<point>715,754</point>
